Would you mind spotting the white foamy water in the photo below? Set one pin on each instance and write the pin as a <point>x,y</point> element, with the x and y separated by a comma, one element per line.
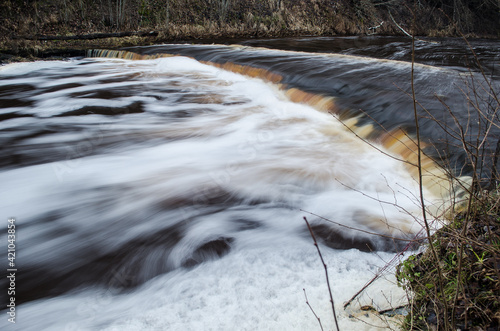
<point>184,158</point>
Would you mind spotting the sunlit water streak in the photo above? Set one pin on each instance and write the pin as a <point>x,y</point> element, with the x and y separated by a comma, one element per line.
<point>166,194</point>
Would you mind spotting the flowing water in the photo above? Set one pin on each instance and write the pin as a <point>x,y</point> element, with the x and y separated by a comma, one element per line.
<point>168,193</point>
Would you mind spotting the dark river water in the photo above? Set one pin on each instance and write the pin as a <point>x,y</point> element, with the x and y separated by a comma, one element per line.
<point>447,76</point>
<point>164,187</point>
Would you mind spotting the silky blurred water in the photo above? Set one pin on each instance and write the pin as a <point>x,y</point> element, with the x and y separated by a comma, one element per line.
<point>169,194</point>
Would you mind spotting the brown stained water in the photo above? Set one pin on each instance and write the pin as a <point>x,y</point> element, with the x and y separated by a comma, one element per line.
<point>176,176</point>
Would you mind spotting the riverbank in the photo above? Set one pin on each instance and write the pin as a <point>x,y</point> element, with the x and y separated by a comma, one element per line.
<point>41,29</point>
<point>464,291</point>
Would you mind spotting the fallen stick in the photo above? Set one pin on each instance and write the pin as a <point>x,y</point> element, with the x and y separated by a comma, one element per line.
<point>92,36</point>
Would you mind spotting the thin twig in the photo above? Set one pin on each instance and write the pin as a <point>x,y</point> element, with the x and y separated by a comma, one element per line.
<point>398,26</point>
<point>406,33</point>
<point>421,185</point>
<point>375,199</point>
<point>379,273</point>
<point>326,272</point>
<point>364,231</point>
<point>370,144</point>
<point>314,313</point>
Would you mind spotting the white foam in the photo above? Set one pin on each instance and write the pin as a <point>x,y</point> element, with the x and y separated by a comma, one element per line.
<point>265,149</point>
<point>22,68</point>
<point>252,289</point>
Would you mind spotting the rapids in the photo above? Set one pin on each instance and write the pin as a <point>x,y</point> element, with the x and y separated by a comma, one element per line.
<point>164,188</point>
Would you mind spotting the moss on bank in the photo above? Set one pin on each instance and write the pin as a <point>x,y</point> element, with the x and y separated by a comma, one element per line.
<point>469,256</point>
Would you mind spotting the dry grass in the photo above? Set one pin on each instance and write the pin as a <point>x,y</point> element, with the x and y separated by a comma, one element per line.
<point>200,19</point>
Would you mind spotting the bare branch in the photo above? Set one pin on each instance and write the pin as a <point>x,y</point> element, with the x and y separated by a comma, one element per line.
<point>326,272</point>
<point>314,313</point>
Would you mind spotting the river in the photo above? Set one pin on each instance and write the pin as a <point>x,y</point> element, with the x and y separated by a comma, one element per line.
<point>167,191</point>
